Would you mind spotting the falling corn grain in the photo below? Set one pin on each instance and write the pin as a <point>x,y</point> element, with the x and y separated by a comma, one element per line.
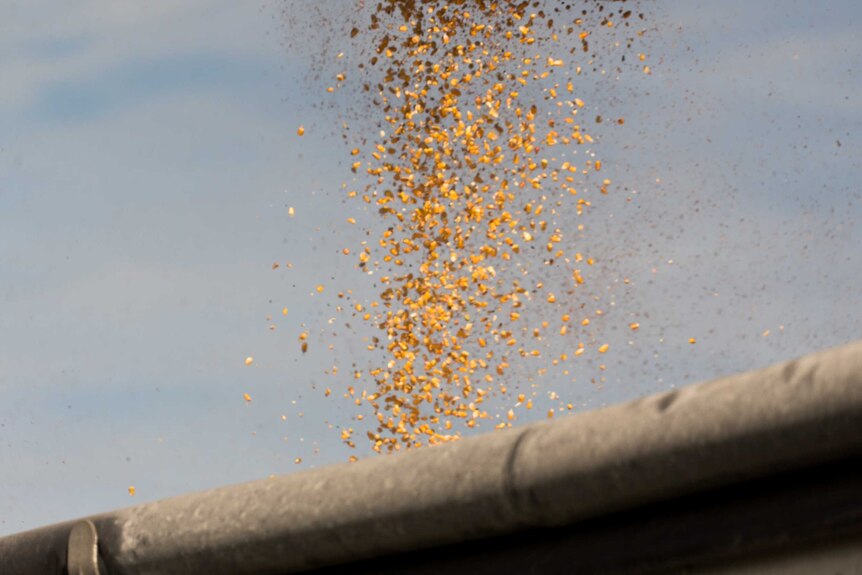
<point>475,180</point>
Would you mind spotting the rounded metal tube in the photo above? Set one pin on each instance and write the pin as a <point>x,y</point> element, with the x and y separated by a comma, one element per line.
<point>553,473</point>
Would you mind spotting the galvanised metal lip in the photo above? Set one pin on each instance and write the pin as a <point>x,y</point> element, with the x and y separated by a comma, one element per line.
<point>551,474</point>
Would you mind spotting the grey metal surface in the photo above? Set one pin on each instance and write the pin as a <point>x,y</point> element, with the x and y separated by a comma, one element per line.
<point>549,474</point>
<point>733,525</point>
<point>833,558</point>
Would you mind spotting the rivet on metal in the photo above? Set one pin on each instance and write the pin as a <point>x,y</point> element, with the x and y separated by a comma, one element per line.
<point>83,551</point>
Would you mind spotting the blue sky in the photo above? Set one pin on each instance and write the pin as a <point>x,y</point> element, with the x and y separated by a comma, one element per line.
<point>148,157</point>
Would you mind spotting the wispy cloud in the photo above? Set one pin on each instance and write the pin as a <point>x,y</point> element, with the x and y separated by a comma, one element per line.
<point>123,84</point>
<point>91,38</point>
